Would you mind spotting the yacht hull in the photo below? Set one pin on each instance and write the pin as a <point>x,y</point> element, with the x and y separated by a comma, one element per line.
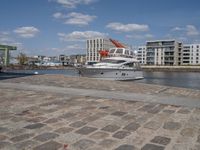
<point>111,74</point>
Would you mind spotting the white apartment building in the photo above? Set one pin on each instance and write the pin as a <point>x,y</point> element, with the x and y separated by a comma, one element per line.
<point>191,54</point>
<point>163,52</point>
<point>141,54</point>
<point>93,47</point>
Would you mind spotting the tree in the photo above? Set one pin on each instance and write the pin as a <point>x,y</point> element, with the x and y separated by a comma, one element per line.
<point>22,59</point>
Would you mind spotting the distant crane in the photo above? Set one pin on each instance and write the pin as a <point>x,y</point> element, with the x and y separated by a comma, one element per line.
<point>117,44</point>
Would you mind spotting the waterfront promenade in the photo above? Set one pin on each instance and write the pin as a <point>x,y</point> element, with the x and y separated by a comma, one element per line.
<point>49,112</point>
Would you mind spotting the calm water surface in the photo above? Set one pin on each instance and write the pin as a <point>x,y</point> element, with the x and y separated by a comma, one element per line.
<point>176,79</point>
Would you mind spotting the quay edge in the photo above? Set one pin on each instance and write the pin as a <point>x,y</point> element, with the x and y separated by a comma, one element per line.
<point>172,68</point>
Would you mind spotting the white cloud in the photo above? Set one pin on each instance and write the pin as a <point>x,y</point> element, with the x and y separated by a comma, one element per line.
<point>177,29</point>
<point>188,30</point>
<point>58,15</point>
<point>5,37</point>
<point>75,47</point>
<point>80,36</point>
<point>26,32</point>
<point>73,3</point>
<point>191,30</point>
<point>75,18</point>
<point>146,36</point>
<point>79,19</point>
<point>127,27</point>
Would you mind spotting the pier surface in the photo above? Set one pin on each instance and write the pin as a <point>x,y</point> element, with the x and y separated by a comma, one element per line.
<point>50,112</point>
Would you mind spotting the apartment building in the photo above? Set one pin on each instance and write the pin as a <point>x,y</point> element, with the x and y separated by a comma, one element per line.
<point>191,54</point>
<point>163,52</point>
<point>141,54</point>
<point>93,47</point>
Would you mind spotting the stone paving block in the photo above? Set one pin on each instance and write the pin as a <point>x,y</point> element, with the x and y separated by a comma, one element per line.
<point>121,134</point>
<point>172,125</point>
<point>77,124</point>
<point>26,145</point>
<point>83,144</point>
<point>107,143</point>
<point>132,126</point>
<point>95,147</point>
<point>51,145</point>
<point>99,135</point>
<point>168,111</point>
<point>34,126</point>
<point>68,115</point>
<point>152,147</point>
<point>101,114</point>
<point>182,147</point>
<point>17,119</point>
<point>104,107</point>
<point>119,113</point>
<point>100,123</point>
<point>90,118</point>
<point>126,147</point>
<point>111,128</point>
<point>46,136</point>
<point>4,144</point>
<point>198,139</point>
<point>86,130</point>
<point>188,132</point>
<point>156,109</point>
<point>64,130</point>
<point>142,119</point>
<point>3,129</point>
<point>197,147</point>
<point>129,117</point>
<point>53,120</point>
<point>17,132</point>
<point>161,140</point>
<point>3,137</point>
<point>154,125</point>
<point>36,119</point>
<point>147,107</point>
<point>22,137</point>
<point>183,111</point>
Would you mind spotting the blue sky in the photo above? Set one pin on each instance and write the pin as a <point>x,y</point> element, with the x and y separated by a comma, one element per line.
<point>53,27</point>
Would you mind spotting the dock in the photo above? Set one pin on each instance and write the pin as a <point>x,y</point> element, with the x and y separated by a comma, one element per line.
<point>57,112</point>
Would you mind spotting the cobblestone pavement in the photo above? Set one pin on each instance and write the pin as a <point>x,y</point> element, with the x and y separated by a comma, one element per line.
<point>31,119</point>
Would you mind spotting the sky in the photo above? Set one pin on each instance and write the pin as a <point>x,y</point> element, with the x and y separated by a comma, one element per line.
<point>54,27</point>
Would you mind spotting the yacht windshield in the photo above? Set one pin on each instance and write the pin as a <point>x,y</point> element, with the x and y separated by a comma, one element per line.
<point>112,61</point>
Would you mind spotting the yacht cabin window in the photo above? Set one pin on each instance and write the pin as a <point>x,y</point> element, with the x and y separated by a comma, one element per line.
<point>126,52</point>
<point>119,51</point>
<point>112,61</point>
<point>112,51</point>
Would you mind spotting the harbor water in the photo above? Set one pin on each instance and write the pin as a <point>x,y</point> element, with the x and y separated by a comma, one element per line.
<point>175,79</point>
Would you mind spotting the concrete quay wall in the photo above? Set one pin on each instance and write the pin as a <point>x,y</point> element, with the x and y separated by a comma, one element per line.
<point>172,68</point>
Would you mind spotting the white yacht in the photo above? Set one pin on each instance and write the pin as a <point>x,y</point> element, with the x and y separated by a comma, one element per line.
<point>119,64</point>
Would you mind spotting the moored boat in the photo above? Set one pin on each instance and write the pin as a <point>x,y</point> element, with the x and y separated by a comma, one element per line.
<point>117,64</point>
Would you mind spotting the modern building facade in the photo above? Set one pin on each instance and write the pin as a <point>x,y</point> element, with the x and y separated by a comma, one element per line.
<point>163,52</point>
<point>191,54</point>
<point>93,47</point>
<point>141,54</point>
